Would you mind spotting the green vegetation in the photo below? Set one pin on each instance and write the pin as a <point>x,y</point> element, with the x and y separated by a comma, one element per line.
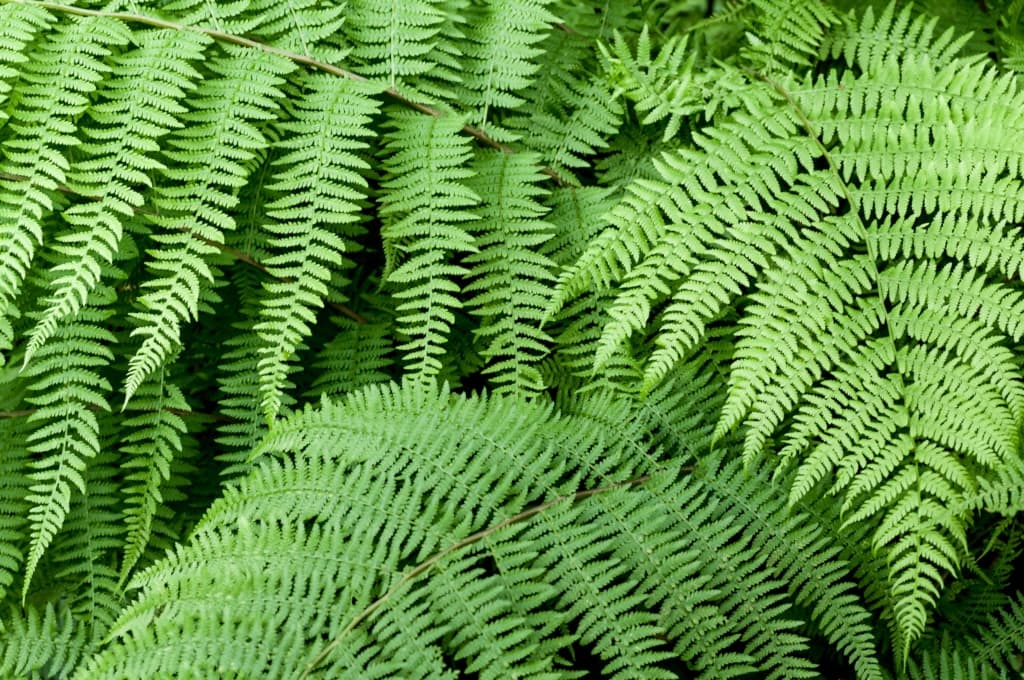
<point>511,339</point>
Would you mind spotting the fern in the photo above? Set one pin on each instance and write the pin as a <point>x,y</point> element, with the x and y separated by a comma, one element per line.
<point>795,244</point>
<point>422,205</point>
<point>566,558</point>
<point>115,157</point>
<point>312,231</point>
<point>150,450</point>
<point>41,643</point>
<point>499,57</point>
<point>510,338</point>
<point>67,387</point>
<point>508,276</point>
<point>358,355</point>
<point>36,150</point>
<point>405,33</point>
<point>192,205</point>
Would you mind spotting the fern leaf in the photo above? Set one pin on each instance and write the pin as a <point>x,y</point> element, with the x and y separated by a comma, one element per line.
<point>41,640</point>
<point>357,355</point>
<point>660,87</point>
<point>20,24</point>
<point>125,124</point>
<point>313,219</point>
<point>210,154</point>
<point>787,32</point>
<point>82,554</point>
<point>240,400</point>
<point>302,26</point>
<point>423,210</point>
<point>855,223</point>
<point>42,122</point>
<point>501,57</point>
<point>636,223</point>
<point>621,566</point>
<point>569,113</point>
<point>68,387</point>
<point>151,443</point>
<point>509,279</point>
<point>577,215</point>
<point>14,465</point>
<point>404,32</point>
<point>877,36</point>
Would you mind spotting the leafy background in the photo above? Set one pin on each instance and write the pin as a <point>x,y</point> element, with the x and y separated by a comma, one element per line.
<point>511,338</point>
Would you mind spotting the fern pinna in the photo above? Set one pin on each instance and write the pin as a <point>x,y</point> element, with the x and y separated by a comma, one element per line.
<point>510,338</point>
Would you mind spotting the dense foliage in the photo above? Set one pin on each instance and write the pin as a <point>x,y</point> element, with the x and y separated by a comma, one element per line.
<point>511,338</point>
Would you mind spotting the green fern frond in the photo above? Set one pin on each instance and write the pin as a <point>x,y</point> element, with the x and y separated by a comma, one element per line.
<point>509,280</point>
<point>821,584</point>
<point>20,24</point>
<point>359,354</point>
<point>40,642</point>
<point>239,384</point>
<point>994,651</point>
<point>13,506</point>
<point>489,586</point>
<point>566,139</point>
<point>83,554</point>
<point>875,39</point>
<point>222,135</point>
<point>613,253</point>
<point>151,442</point>
<point>312,223</point>
<point>40,124</point>
<point>569,113</point>
<point>1008,38</point>
<point>889,376</point>
<point>977,22</point>
<point>424,211</point>
<point>117,157</point>
<point>577,215</point>
<point>746,276</point>
<point>68,390</point>
<point>302,26</point>
<point>404,32</point>
<point>662,86</point>
<point>787,33</point>
<point>500,58</point>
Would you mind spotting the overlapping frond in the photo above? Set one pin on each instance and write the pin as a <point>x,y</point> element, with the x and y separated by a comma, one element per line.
<point>151,441</point>
<point>222,134</point>
<point>68,389</point>
<point>302,26</point>
<point>392,40</point>
<point>569,113</point>
<point>746,289</point>
<point>617,564</point>
<point>13,470</point>
<point>134,108</point>
<point>501,52</point>
<point>859,222</point>
<point>38,125</point>
<point>42,641</point>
